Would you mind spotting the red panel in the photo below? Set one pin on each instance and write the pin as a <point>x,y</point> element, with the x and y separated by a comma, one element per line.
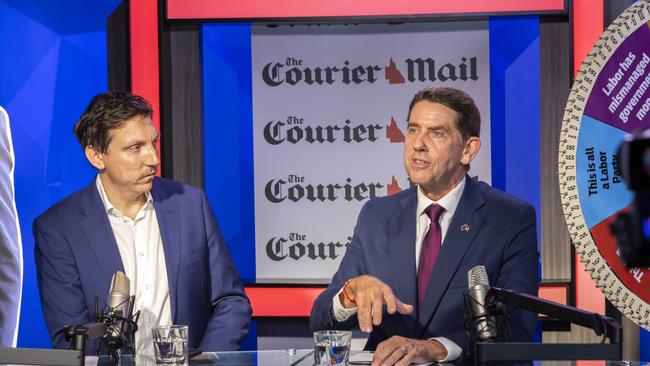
<point>588,18</point>
<point>143,23</point>
<point>212,9</point>
<point>278,301</point>
<point>556,293</point>
<point>588,296</point>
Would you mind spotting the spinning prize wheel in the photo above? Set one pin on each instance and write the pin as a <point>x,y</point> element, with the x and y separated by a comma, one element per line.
<point>609,99</point>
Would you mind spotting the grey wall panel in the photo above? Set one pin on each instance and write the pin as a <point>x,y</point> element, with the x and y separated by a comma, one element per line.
<point>613,8</point>
<point>181,103</point>
<point>555,80</point>
<point>118,50</point>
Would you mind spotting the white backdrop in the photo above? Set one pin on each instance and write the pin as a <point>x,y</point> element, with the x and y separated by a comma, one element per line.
<point>323,100</point>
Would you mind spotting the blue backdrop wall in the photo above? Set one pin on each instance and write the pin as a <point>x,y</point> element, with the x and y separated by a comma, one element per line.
<point>52,61</point>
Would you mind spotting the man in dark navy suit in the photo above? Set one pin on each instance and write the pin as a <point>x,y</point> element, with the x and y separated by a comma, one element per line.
<point>403,275</point>
<point>161,233</point>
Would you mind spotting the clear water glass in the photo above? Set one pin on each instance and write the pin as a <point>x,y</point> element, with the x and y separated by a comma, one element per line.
<point>332,347</point>
<point>170,343</point>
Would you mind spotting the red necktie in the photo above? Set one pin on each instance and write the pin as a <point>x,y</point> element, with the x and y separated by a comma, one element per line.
<point>430,249</point>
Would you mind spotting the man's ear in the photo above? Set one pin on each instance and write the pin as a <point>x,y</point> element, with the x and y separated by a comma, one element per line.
<point>472,146</point>
<point>95,157</point>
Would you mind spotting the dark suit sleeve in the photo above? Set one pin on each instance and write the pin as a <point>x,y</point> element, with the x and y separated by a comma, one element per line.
<point>520,271</point>
<point>62,298</point>
<point>352,265</point>
<point>231,310</point>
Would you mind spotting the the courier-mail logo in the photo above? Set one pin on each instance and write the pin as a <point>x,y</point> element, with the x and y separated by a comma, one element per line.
<point>294,71</point>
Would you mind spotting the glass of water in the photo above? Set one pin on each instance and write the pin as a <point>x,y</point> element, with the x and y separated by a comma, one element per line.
<point>332,347</point>
<point>170,343</point>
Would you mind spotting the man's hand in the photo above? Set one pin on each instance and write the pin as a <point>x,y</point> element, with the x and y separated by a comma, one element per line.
<point>403,351</point>
<point>370,295</point>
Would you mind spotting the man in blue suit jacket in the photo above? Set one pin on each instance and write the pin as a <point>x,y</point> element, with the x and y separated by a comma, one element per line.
<point>376,285</point>
<point>161,233</point>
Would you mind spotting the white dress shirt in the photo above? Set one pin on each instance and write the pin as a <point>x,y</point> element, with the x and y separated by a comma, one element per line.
<point>143,257</point>
<point>449,202</point>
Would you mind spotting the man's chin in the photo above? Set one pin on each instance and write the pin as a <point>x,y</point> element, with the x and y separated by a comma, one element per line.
<point>145,186</point>
<point>419,179</point>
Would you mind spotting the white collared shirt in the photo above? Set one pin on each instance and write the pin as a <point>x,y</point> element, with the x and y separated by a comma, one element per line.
<point>141,249</point>
<point>449,202</point>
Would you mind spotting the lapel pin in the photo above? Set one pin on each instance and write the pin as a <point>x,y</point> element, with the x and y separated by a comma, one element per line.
<point>464,227</point>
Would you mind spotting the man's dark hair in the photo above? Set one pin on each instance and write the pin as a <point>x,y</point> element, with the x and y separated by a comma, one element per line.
<point>106,112</point>
<point>469,121</point>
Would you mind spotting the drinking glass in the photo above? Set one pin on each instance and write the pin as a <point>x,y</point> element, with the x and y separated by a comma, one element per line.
<point>332,347</point>
<point>170,343</point>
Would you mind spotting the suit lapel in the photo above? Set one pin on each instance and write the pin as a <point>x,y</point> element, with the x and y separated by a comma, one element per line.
<point>97,229</point>
<point>454,247</point>
<point>169,223</point>
<point>401,241</point>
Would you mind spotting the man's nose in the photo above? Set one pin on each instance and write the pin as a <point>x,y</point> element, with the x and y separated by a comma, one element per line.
<point>152,158</point>
<point>418,142</point>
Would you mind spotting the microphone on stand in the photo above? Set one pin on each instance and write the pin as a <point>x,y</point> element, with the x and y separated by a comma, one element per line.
<point>115,327</point>
<point>482,323</point>
<point>119,305</point>
<point>119,318</point>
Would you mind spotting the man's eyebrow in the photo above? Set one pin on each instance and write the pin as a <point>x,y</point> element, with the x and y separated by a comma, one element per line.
<point>141,141</point>
<point>436,128</point>
<point>135,142</point>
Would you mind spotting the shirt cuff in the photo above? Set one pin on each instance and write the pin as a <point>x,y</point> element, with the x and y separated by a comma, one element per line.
<point>453,350</point>
<point>341,314</point>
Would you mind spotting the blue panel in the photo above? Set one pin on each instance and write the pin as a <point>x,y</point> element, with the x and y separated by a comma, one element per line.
<point>68,16</point>
<point>515,107</point>
<point>498,65</point>
<point>228,133</point>
<point>19,60</point>
<point>645,345</point>
<point>52,61</point>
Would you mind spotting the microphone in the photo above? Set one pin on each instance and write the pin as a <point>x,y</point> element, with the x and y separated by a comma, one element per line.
<point>119,302</point>
<point>483,325</point>
<point>118,317</point>
<point>114,327</point>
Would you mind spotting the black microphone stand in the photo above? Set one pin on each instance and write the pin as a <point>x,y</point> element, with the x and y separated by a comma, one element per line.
<point>115,338</point>
<point>78,335</point>
<point>517,351</point>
